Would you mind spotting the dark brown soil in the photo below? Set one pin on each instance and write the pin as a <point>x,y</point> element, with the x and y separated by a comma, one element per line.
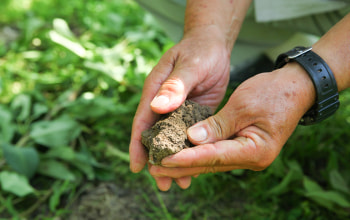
<point>168,136</point>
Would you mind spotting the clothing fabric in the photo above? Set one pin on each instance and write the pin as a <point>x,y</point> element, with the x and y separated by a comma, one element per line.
<point>270,26</point>
<point>273,10</point>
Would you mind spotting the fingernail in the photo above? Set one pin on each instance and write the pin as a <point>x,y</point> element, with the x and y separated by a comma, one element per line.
<point>197,133</point>
<point>160,101</point>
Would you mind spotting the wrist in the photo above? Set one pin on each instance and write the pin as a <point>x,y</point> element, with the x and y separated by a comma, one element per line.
<point>333,47</point>
<point>321,75</point>
<point>210,34</point>
<point>226,17</point>
<point>296,81</point>
<point>336,64</point>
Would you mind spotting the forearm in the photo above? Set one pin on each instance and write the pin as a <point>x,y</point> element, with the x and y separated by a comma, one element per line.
<point>225,15</point>
<point>334,48</point>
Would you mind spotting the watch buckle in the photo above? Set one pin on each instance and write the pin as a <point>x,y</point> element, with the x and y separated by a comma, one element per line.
<point>296,52</point>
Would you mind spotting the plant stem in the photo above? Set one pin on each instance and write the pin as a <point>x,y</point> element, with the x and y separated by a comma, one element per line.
<point>41,200</point>
<point>23,141</point>
<point>161,201</point>
<point>2,163</point>
<point>116,152</point>
<point>2,208</point>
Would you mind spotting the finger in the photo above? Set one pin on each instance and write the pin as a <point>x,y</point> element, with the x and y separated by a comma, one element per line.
<point>215,128</point>
<point>144,119</point>
<point>137,152</point>
<point>144,116</point>
<point>178,173</point>
<point>184,182</point>
<point>174,90</point>
<point>249,151</point>
<point>222,153</point>
<point>163,183</point>
<point>230,119</point>
<point>138,156</point>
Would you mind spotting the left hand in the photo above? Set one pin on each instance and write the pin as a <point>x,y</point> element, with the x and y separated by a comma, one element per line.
<point>198,68</point>
<point>251,129</point>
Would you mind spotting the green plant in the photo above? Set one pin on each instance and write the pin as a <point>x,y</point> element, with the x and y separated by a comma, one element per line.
<point>70,81</point>
<point>68,90</point>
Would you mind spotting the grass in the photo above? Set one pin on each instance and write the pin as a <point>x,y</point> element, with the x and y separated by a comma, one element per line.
<point>70,81</point>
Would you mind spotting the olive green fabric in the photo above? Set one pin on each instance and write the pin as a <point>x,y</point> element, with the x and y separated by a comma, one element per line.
<point>270,26</point>
<point>274,10</point>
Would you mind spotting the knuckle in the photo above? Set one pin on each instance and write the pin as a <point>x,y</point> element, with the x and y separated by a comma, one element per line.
<point>210,169</point>
<point>173,82</point>
<point>218,126</point>
<point>261,151</point>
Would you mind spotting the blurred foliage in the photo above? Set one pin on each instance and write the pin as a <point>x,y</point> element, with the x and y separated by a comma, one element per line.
<point>70,81</point>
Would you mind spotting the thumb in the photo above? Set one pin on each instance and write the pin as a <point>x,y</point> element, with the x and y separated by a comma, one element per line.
<point>173,92</point>
<point>215,128</point>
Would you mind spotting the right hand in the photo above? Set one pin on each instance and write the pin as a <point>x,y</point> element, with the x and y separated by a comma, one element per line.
<point>197,68</point>
<point>250,130</point>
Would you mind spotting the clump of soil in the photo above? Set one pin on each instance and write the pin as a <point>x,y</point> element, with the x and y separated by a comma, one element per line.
<point>168,135</point>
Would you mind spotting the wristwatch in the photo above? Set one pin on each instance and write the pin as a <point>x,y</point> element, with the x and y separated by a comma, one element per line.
<point>327,97</point>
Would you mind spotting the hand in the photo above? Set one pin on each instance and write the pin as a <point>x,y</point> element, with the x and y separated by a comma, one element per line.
<point>197,68</point>
<point>251,129</point>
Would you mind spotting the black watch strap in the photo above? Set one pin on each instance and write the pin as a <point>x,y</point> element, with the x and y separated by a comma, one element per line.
<point>327,97</point>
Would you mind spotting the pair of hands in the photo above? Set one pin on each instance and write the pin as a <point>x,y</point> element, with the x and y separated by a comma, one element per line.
<point>247,133</point>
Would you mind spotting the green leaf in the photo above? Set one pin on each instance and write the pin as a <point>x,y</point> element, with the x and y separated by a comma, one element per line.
<point>79,160</point>
<point>15,183</point>
<point>55,133</point>
<point>333,161</point>
<point>64,153</point>
<point>338,182</point>
<point>58,189</point>
<point>22,103</point>
<point>323,197</point>
<point>7,129</point>
<point>238,172</point>
<point>23,160</point>
<point>295,173</point>
<point>94,107</point>
<point>329,196</point>
<point>118,153</point>
<point>86,168</point>
<point>64,36</point>
<point>38,110</point>
<point>55,169</point>
<point>61,26</point>
<point>311,186</point>
<point>277,168</point>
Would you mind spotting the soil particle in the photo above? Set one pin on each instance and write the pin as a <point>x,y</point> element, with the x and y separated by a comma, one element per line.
<point>168,135</point>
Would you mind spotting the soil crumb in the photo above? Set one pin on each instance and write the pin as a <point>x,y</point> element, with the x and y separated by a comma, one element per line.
<point>168,135</point>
